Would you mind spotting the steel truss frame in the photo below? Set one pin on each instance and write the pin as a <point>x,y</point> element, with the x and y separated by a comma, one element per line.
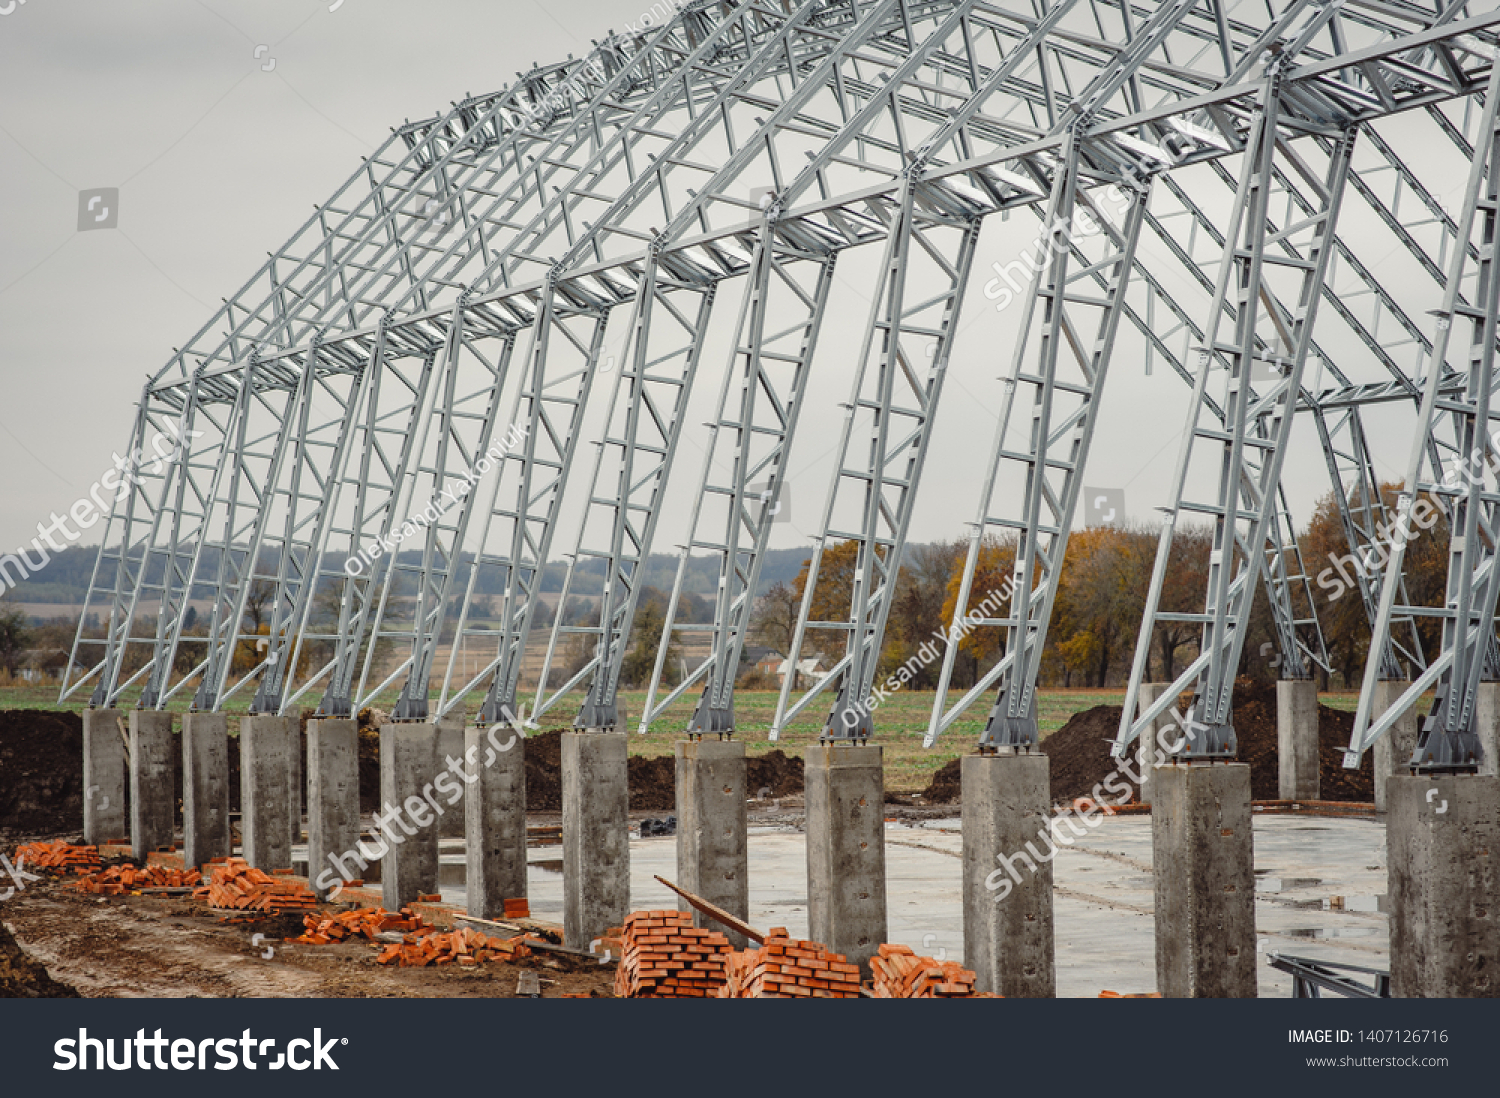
<point>366,366</point>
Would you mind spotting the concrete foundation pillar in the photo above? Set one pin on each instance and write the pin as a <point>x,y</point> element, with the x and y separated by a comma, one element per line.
<point>450,747</point>
<point>712,850</point>
<point>845,796</point>
<point>1297,738</point>
<point>265,794</point>
<point>1147,744</point>
<point>205,788</point>
<point>494,815</point>
<point>103,777</point>
<point>332,801</point>
<point>1393,751</point>
<point>1203,858</point>
<point>596,835</point>
<point>408,759</point>
<point>1443,851</point>
<point>296,765</point>
<point>1008,927</point>
<point>153,800</point>
<point>1487,716</point>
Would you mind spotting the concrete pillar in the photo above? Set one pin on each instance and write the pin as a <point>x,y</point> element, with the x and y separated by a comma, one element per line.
<point>1297,738</point>
<point>450,746</point>
<point>494,815</point>
<point>1147,744</point>
<point>1203,858</point>
<point>845,797</point>
<point>1008,926</point>
<point>153,800</point>
<point>712,837</point>
<point>1393,751</point>
<point>1487,716</point>
<point>1443,852</point>
<point>332,801</point>
<point>408,757</point>
<point>295,765</point>
<point>103,777</point>
<point>205,788</point>
<point>265,794</point>
<point>596,835</point>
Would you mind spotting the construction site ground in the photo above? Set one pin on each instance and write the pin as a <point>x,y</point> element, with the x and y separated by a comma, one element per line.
<point>1319,878</point>
<point>1319,888</point>
<point>169,947</point>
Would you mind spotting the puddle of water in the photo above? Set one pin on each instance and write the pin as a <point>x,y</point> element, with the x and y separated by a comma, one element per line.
<point>1332,932</point>
<point>1286,884</point>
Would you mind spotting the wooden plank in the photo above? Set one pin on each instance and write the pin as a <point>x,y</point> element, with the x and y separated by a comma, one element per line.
<point>718,914</point>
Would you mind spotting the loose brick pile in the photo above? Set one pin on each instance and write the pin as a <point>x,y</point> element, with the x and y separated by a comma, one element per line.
<point>786,968</point>
<point>366,922</point>
<point>465,946</point>
<point>63,856</point>
<point>900,974</point>
<point>119,879</point>
<point>234,885</point>
<point>663,956</point>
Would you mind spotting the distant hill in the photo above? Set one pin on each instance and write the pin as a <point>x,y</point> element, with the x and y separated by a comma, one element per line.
<point>65,579</point>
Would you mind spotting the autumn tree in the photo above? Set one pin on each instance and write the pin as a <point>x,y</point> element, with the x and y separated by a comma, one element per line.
<point>832,597</point>
<point>1101,596</point>
<point>15,636</point>
<point>1336,575</point>
<point>1184,590</point>
<point>994,570</point>
<point>916,617</point>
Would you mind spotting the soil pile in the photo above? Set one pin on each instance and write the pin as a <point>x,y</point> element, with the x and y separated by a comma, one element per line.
<point>41,770</point>
<point>1255,726</point>
<point>653,782</point>
<point>1079,752</point>
<point>23,978</point>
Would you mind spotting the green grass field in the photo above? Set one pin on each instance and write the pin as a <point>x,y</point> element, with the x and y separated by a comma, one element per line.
<point>900,722</point>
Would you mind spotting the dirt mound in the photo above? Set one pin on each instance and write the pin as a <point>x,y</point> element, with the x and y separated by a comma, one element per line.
<point>23,978</point>
<point>653,782</point>
<point>1079,752</point>
<point>774,774</point>
<point>1255,726</point>
<point>41,770</point>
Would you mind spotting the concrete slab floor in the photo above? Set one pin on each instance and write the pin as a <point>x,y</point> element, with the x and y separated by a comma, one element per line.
<point>1318,883</point>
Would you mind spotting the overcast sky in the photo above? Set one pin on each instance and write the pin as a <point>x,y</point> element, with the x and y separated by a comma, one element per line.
<point>224,122</point>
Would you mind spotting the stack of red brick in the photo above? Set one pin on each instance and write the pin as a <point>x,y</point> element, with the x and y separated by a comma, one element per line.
<point>64,856</point>
<point>665,957</point>
<point>518,909</point>
<point>900,974</point>
<point>235,885</point>
<point>785,968</point>
<point>366,922</point>
<point>119,879</point>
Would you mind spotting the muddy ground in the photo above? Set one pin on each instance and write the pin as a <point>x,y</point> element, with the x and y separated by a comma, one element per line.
<point>149,947</point>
